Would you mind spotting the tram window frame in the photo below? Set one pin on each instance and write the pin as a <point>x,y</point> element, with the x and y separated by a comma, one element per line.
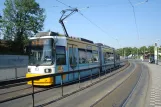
<point>105,57</point>
<point>94,53</point>
<point>72,54</point>
<point>62,54</point>
<point>85,57</point>
<point>91,57</point>
<point>113,56</point>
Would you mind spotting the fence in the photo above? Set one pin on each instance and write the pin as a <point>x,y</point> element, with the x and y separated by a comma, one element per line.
<point>21,80</point>
<point>12,66</point>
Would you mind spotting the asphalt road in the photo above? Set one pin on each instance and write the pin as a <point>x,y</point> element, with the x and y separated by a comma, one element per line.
<point>139,95</point>
<point>40,98</point>
<point>131,93</point>
<point>127,88</point>
<point>124,94</point>
<point>89,96</point>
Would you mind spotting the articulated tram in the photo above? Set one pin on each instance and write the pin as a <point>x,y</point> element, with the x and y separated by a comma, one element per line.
<point>50,53</point>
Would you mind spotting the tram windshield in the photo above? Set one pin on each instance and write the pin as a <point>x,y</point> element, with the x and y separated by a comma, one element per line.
<point>40,52</point>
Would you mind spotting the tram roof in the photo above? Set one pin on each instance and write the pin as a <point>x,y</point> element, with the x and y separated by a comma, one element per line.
<point>41,34</point>
<point>51,33</point>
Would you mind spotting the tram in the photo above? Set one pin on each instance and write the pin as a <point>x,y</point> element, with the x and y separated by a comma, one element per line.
<point>51,52</point>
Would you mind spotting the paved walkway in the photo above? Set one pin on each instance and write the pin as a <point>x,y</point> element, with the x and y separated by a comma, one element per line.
<point>155,86</point>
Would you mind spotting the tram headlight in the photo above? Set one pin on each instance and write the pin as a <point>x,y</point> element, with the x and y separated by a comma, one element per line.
<point>29,70</point>
<point>47,70</point>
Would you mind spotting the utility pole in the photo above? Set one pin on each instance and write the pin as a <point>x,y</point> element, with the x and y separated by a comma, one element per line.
<point>124,53</point>
<point>144,53</point>
<point>137,54</point>
<point>156,53</point>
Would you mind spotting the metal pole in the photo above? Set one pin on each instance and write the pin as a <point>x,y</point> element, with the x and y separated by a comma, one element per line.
<point>16,72</point>
<point>62,83</point>
<point>91,75</point>
<point>99,73</point>
<point>33,101</point>
<point>79,78</point>
<point>144,53</point>
<point>157,55</point>
<point>137,53</point>
<point>106,71</point>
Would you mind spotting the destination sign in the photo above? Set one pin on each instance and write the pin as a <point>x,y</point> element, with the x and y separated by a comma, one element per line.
<point>40,42</point>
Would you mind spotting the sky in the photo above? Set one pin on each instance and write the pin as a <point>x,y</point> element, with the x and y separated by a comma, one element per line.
<point>113,21</point>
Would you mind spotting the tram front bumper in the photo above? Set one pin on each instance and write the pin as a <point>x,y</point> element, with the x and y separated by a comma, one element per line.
<point>40,82</point>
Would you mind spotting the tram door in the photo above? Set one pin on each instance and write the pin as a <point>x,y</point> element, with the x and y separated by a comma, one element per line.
<point>72,60</point>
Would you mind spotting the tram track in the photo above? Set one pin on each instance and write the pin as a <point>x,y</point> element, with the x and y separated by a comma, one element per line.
<point>92,94</point>
<point>125,94</point>
<point>84,97</point>
<point>26,90</point>
<point>111,100</point>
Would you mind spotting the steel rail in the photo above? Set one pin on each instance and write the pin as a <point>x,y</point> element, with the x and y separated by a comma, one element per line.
<point>99,73</point>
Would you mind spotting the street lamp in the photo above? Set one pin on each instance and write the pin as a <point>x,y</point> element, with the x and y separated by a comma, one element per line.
<point>156,52</point>
<point>137,53</point>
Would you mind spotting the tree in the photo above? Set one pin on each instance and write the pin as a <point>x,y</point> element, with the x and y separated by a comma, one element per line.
<point>21,19</point>
<point>134,51</point>
<point>151,49</point>
<point>127,51</point>
<point>143,49</point>
<point>120,52</point>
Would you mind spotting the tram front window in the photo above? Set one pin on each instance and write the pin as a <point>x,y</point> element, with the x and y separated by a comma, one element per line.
<point>40,52</point>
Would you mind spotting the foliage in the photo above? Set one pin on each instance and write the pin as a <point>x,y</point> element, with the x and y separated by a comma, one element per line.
<point>136,51</point>
<point>21,19</point>
<point>143,49</point>
<point>151,49</point>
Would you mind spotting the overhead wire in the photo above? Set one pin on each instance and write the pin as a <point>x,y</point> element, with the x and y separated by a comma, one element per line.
<point>90,21</point>
<point>94,24</point>
<point>135,15</point>
<point>63,3</point>
<point>134,18</point>
<point>141,2</point>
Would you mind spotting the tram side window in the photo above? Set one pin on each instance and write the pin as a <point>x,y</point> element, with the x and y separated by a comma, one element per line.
<point>108,56</point>
<point>72,57</point>
<point>95,56</point>
<point>89,56</point>
<point>60,55</point>
<point>117,57</point>
<point>105,57</point>
<point>112,57</point>
<point>82,56</point>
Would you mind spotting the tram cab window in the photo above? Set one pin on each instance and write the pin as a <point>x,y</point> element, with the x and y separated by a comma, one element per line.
<point>60,55</point>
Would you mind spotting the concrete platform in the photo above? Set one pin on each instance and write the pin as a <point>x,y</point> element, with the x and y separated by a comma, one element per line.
<point>154,97</point>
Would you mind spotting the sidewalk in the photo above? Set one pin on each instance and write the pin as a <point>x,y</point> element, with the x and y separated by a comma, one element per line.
<point>154,99</point>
